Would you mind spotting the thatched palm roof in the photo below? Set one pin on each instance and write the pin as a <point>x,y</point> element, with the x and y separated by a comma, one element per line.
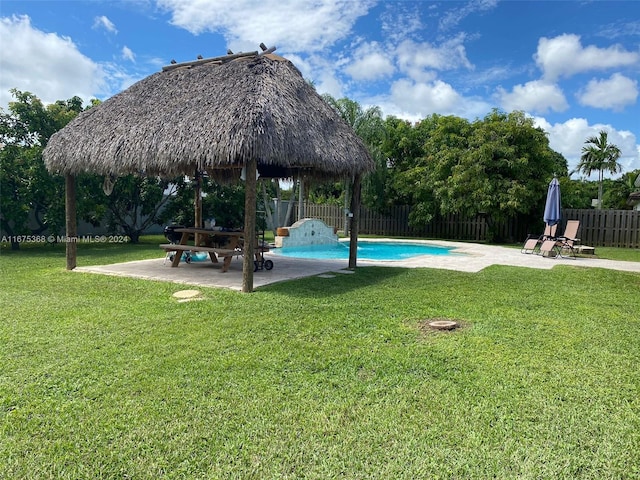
<point>212,116</point>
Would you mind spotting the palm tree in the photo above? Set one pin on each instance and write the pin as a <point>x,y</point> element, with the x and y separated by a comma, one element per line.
<point>598,154</point>
<point>369,126</point>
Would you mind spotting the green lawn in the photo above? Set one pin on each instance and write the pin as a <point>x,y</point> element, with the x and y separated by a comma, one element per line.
<point>624,254</point>
<point>608,253</point>
<point>106,377</point>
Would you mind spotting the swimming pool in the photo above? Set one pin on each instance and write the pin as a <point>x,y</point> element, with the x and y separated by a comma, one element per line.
<point>367,250</point>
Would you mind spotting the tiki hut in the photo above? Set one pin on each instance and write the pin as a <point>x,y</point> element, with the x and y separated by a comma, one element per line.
<point>246,113</point>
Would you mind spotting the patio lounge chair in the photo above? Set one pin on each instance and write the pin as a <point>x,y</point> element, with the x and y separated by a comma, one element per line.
<point>533,243</point>
<point>550,248</point>
<point>568,241</point>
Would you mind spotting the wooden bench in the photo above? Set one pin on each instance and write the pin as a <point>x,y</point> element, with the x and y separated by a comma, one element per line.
<point>226,253</point>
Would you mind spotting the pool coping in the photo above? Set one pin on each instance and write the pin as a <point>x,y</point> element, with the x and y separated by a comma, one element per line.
<point>429,243</point>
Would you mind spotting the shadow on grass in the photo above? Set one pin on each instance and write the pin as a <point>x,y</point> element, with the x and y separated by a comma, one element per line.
<point>340,283</point>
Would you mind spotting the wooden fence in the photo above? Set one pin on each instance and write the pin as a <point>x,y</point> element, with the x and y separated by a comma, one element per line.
<point>607,228</point>
<point>598,228</point>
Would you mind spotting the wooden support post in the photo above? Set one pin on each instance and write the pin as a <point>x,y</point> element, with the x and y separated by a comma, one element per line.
<point>250,187</point>
<point>347,206</point>
<point>355,221</point>
<point>301,213</point>
<point>70,219</point>
<point>197,200</point>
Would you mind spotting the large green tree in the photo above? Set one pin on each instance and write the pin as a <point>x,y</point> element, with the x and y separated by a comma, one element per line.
<point>601,156</point>
<point>498,167</point>
<point>436,149</point>
<point>28,193</point>
<point>618,191</point>
<point>135,204</point>
<point>370,127</point>
<point>403,149</point>
<point>224,203</point>
<point>577,193</point>
<point>32,200</point>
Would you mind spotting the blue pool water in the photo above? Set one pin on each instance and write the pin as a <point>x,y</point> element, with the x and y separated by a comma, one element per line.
<point>366,251</point>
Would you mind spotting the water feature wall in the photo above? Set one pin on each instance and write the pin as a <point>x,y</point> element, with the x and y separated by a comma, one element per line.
<point>308,231</point>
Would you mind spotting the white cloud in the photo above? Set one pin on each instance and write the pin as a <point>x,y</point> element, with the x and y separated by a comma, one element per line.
<point>414,100</point>
<point>416,59</point>
<point>399,22</point>
<point>436,96</point>
<point>536,96</point>
<point>615,93</point>
<point>128,54</point>
<point>321,71</point>
<point>370,62</point>
<point>568,138</point>
<point>329,83</point>
<point>564,56</point>
<point>299,26</point>
<point>454,16</point>
<point>615,30</point>
<point>45,64</point>
<point>104,22</point>
<point>490,75</point>
<point>302,64</point>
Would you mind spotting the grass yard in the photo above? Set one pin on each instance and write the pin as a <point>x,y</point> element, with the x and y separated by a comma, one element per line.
<point>106,377</point>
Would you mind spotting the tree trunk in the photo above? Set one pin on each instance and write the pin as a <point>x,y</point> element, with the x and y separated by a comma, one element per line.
<point>290,205</point>
<point>271,225</point>
<point>600,178</point>
<point>133,234</point>
<point>273,218</point>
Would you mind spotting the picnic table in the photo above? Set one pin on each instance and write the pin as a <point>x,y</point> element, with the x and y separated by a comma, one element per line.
<point>217,243</point>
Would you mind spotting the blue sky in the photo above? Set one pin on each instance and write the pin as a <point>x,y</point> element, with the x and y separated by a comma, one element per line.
<point>574,66</point>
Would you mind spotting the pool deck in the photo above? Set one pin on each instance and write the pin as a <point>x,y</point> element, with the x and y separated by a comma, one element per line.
<point>466,257</point>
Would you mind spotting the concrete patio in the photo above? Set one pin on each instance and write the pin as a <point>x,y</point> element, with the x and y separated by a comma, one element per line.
<point>467,257</point>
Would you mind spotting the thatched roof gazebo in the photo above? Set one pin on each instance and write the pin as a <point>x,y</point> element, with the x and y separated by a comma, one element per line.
<point>220,115</point>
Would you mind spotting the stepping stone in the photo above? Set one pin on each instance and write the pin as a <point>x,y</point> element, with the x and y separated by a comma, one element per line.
<point>186,294</point>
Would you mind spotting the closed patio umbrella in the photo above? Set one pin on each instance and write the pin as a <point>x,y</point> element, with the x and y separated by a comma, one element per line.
<point>552,213</point>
